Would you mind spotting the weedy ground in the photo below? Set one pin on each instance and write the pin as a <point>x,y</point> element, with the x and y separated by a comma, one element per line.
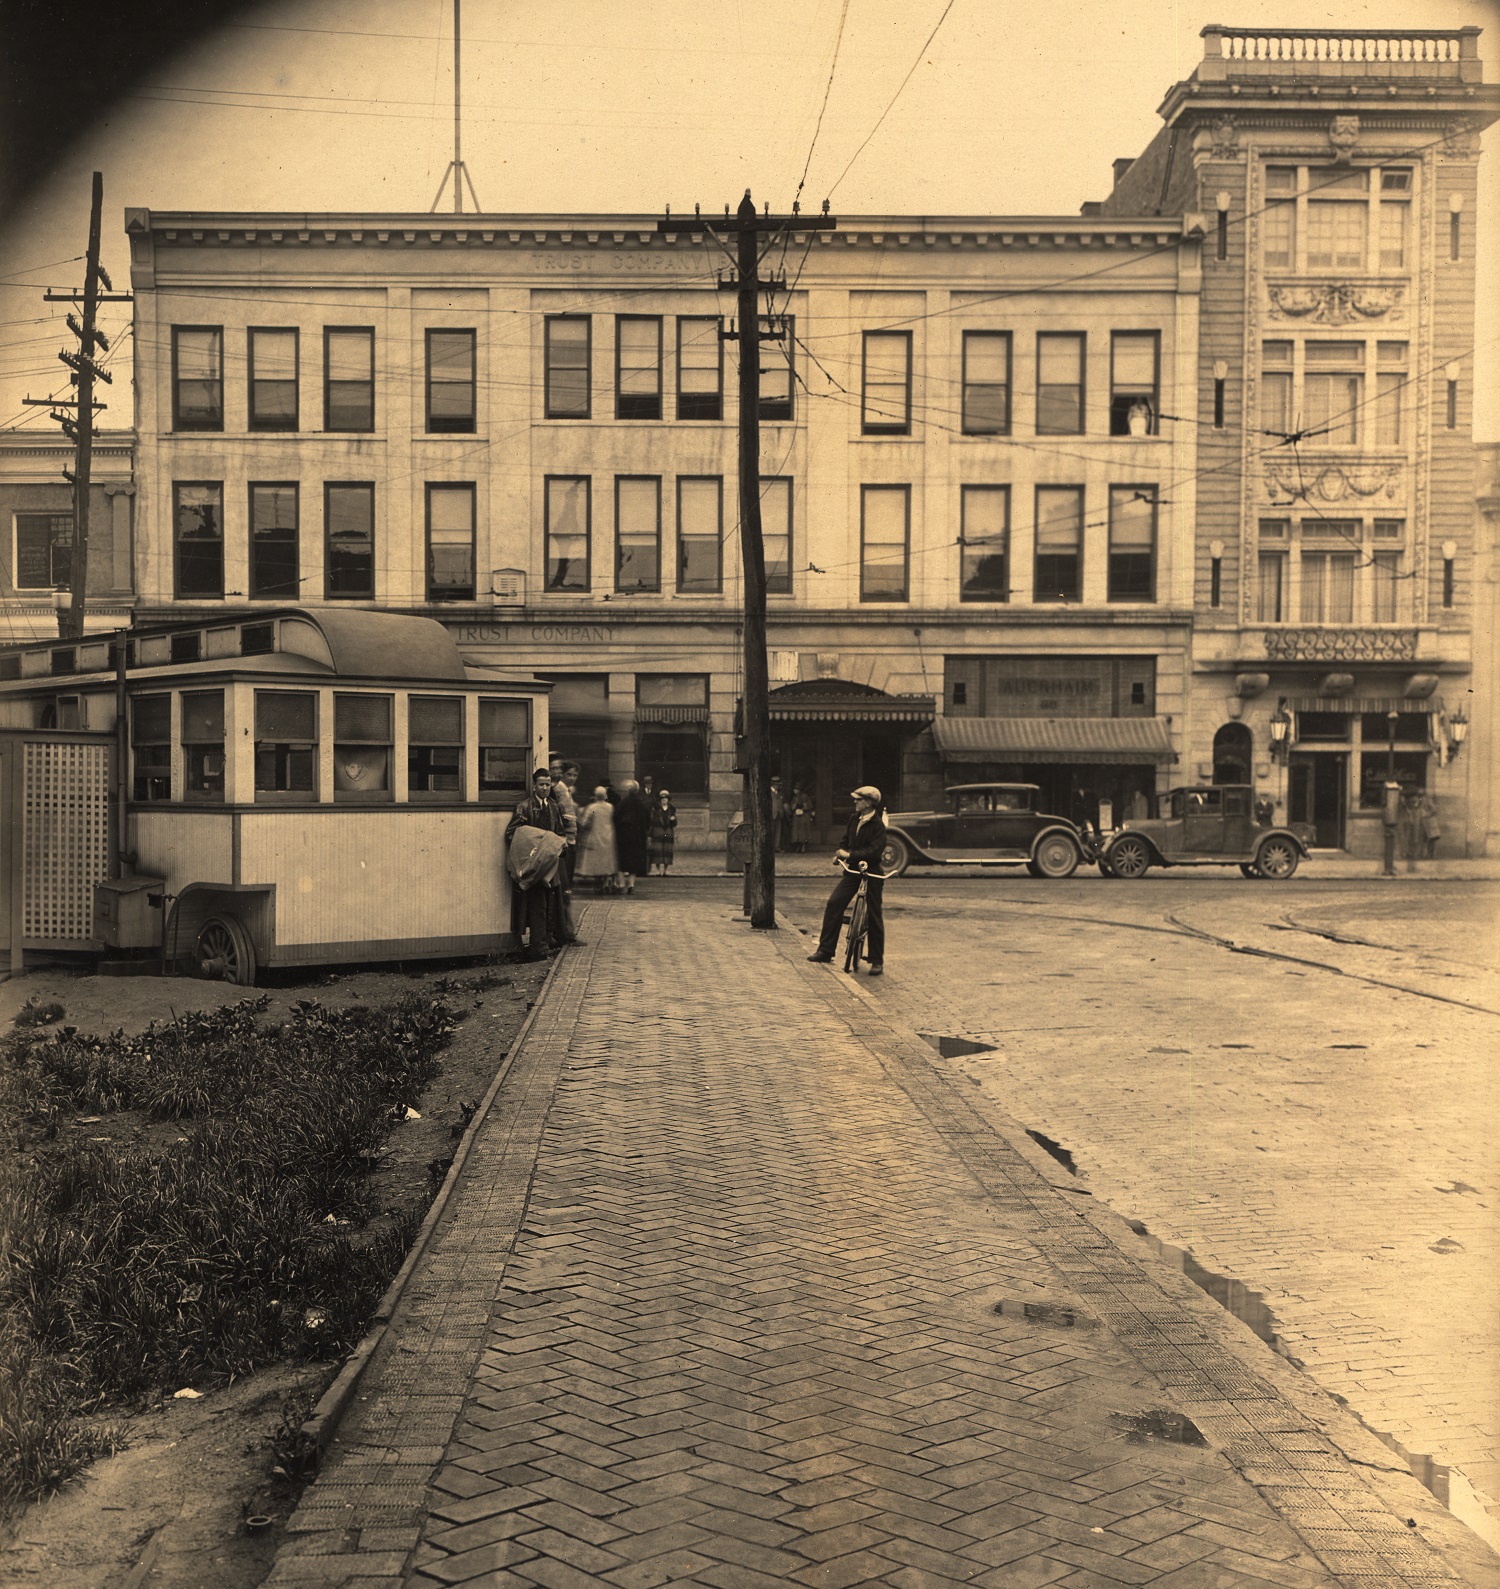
<point>227,1190</point>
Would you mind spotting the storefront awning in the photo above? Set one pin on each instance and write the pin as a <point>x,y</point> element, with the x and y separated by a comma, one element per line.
<point>841,701</point>
<point>1123,741</point>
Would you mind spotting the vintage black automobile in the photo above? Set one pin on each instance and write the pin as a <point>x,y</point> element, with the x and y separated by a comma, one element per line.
<point>1207,825</point>
<point>985,824</point>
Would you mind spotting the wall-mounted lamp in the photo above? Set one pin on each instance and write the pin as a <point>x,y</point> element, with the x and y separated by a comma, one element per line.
<point>1281,731</point>
<point>1458,731</point>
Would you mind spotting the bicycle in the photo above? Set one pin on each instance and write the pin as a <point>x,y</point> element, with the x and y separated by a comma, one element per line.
<point>859,914</point>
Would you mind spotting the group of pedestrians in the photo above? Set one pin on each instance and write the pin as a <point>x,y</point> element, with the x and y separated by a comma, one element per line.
<point>552,839</point>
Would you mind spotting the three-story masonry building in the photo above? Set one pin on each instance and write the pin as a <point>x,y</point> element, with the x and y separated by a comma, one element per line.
<point>1084,500</point>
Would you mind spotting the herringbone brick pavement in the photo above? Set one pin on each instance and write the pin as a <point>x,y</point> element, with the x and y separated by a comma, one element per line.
<point>724,1299</point>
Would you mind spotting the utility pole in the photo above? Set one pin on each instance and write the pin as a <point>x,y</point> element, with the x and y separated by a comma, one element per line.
<point>749,228</point>
<point>79,426</point>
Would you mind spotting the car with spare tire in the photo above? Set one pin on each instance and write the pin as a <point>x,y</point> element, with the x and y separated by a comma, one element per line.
<point>985,824</point>
<point>1204,825</point>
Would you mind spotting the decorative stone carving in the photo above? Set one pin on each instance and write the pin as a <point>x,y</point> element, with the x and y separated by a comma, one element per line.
<point>1343,134</point>
<point>1332,482</point>
<point>1341,645</point>
<point>1461,139</point>
<point>1226,139</point>
<point>1335,303</point>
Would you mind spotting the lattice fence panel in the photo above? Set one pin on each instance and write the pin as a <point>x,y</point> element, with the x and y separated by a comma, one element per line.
<point>65,839</point>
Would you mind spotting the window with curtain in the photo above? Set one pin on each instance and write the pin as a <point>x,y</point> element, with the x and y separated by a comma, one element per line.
<point>1395,218</point>
<point>1327,586</point>
<point>886,406</point>
<point>776,533</point>
<point>273,378</point>
<point>885,543</point>
<point>986,383</point>
<point>638,367</point>
<point>349,378</point>
<point>637,533</point>
<point>568,513</point>
<point>1059,383</point>
<point>1390,392</point>
<point>700,368</point>
<point>984,544</point>
<point>1276,413</point>
<point>1132,543</point>
<point>778,366</point>
<point>1333,389</point>
<point>1338,217</point>
<point>1134,357</point>
<point>1059,544</point>
<point>1279,222</point>
<point>700,535</point>
<point>450,542</point>
<point>567,359</point>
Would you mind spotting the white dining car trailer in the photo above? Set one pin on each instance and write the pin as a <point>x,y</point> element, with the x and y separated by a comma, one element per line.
<point>274,788</point>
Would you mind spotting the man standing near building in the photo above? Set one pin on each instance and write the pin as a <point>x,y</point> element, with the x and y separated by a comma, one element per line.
<point>534,841</point>
<point>864,840</point>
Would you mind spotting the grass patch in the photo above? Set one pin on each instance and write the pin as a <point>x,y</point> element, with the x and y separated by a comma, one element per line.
<point>219,1223</point>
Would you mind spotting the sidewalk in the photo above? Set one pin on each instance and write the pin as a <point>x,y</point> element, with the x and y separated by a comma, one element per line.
<point>738,1286</point>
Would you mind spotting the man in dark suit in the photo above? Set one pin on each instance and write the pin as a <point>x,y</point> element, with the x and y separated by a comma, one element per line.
<point>864,840</point>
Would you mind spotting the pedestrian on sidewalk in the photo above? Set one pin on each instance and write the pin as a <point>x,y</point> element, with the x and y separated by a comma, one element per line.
<point>802,819</point>
<point>864,841</point>
<point>1430,828</point>
<point>632,833</point>
<point>662,834</point>
<point>534,843</point>
<point>598,856</point>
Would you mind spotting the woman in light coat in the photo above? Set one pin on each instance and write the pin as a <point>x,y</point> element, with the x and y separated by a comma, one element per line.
<point>598,855</point>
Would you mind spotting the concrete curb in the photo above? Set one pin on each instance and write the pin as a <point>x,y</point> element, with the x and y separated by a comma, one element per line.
<point>1460,1548</point>
<point>319,1428</point>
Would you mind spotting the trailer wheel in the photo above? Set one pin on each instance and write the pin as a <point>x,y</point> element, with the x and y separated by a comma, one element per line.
<point>225,952</point>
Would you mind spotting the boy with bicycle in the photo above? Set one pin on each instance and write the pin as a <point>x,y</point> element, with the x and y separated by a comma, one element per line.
<point>864,840</point>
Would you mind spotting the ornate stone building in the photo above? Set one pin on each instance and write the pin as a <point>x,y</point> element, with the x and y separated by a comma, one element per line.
<point>1337,579</point>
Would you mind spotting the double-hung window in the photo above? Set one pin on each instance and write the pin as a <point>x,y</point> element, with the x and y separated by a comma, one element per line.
<point>1279,222</point>
<point>349,541</point>
<point>1132,543</point>
<point>450,542</point>
<point>776,532</point>
<point>1333,389</point>
<point>1059,543</point>
<point>1276,411</point>
<point>434,746</point>
<point>700,368</point>
<point>986,383</point>
<point>1059,383</point>
<point>451,405</point>
<point>44,551</point>
<point>1390,392</point>
<point>151,747</point>
<point>1385,571</point>
<point>286,743</point>
<point>1395,219</point>
<point>886,408</point>
<point>984,553</point>
<point>568,508</point>
<point>778,366</point>
<point>1338,218</point>
<point>197,377</point>
<point>273,378</point>
<point>198,532</point>
<point>700,535</point>
<point>566,376</point>
<point>348,378</point>
<point>637,533</point>
<point>1134,400</point>
<point>637,366</point>
<point>274,557</point>
<point>884,543</point>
<point>1271,571</point>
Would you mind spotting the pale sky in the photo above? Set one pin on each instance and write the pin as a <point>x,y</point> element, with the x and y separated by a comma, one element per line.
<point>630,105</point>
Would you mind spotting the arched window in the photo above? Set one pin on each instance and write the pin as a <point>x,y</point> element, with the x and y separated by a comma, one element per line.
<point>1232,749</point>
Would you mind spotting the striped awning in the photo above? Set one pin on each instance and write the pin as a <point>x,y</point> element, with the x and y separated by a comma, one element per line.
<point>671,714</point>
<point>1124,741</point>
<point>875,707</point>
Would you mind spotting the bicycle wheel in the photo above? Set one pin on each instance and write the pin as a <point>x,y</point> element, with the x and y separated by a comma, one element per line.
<point>858,926</point>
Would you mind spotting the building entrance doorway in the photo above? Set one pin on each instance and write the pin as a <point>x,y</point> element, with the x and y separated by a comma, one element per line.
<point>1318,794</point>
<point>827,760</point>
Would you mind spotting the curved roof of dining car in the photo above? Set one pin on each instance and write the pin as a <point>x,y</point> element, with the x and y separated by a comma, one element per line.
<point>353,644</point>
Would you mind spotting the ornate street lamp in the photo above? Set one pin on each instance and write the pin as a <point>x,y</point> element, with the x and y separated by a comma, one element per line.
<point>1458,731</point>
<point>1281,731</point>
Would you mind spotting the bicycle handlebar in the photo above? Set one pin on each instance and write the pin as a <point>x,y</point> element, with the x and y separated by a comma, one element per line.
<point>863,870</point>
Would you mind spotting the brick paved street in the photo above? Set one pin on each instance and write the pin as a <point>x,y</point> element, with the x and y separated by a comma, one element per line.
<point>1321,1139</point>
<point>738,1288</point>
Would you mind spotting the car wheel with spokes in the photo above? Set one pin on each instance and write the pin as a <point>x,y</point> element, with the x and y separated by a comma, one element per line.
<point>895,857</point>
<point>1277,858</point>
<point>1129,858</point>
<point>1056,856</point>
